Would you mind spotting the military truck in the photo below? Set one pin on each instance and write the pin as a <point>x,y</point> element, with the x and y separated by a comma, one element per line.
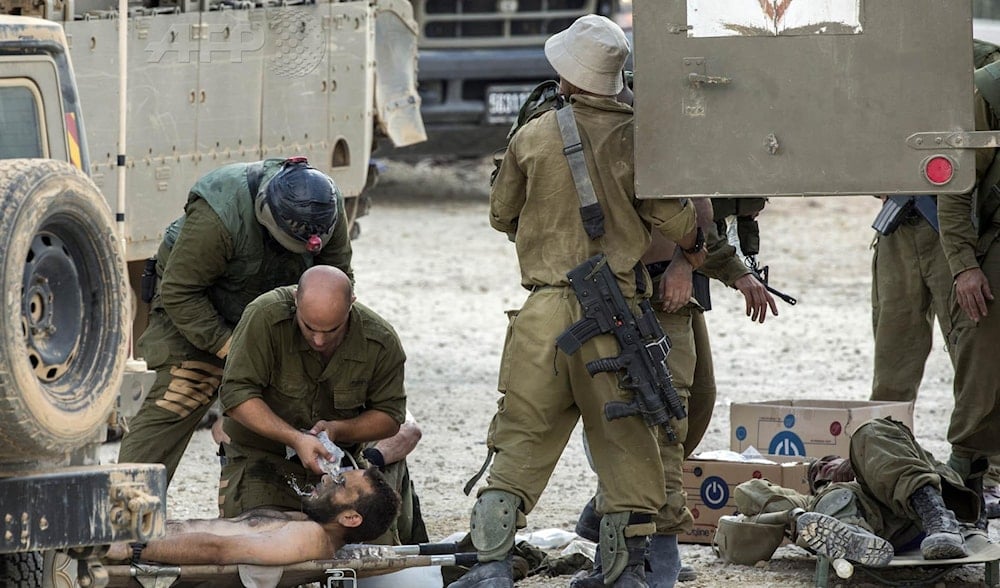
<point>168,93</point>
<point>479,59</point>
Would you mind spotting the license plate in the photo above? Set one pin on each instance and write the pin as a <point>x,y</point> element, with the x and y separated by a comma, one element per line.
<point>503,103</point>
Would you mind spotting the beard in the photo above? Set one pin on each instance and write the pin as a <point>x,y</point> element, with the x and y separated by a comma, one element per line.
<point>321,508</point>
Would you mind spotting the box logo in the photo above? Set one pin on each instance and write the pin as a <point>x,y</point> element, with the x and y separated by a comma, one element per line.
<point>714,492</point>
<point>786,443</point>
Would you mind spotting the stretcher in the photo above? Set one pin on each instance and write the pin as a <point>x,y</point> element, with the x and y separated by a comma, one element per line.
<point>352,562</point>
<point>981,551</point>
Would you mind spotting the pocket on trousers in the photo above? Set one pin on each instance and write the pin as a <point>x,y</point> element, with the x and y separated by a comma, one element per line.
<point>505,360</point>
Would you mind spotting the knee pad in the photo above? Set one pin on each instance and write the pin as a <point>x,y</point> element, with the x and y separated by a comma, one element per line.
<point>618,533</point>
<point>494,524</point>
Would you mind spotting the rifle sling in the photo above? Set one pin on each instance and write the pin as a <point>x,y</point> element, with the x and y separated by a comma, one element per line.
<point>590,208</point>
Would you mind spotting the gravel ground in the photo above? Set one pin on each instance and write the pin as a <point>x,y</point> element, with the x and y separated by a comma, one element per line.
<point>428,261</point>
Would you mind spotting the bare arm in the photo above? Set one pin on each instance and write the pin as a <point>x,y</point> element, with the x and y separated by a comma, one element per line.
<point>257,416</point>
<point>401,444</point>
<point>287,543</point>
<point>371,425</point>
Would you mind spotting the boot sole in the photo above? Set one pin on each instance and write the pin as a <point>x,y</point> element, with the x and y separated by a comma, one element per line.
<point>944,546</point>
<point>830,537</point>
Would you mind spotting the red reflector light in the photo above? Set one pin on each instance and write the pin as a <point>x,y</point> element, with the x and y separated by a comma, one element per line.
<point>939,170</point>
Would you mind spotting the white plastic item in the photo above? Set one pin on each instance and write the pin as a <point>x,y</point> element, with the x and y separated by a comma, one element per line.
<point>422,577</point>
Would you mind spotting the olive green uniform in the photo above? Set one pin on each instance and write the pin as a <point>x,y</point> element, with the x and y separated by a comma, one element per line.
<point>911,284</point>
<point>211,264</point>
<point>545,391</point>
<point>889,466</point>
<point>272,361</point>
<point>970,236</point>
<point>690,364</point>
<point>721,264</point>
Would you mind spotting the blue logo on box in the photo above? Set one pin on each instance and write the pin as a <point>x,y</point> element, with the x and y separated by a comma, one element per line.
<point>714,492</point>
<point>741,433</point>
<point>786,443</point>
<point>789,421</point>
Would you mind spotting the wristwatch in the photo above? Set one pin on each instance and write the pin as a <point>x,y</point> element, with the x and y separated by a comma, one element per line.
<point>699,242</point>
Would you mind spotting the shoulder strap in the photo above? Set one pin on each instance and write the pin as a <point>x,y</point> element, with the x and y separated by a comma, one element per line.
<point>255,171</point>
<point>590,208</point>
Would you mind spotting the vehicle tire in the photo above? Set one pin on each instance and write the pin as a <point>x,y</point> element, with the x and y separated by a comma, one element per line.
<point>64,313</point>
<point>21,570</point>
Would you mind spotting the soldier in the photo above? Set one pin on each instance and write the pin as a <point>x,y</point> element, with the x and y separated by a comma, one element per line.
<point>970,236</point>
<point>890,496</point>
<point>912,284</point>
<point>306,360</point>
<point>535,200</point>
<point>246,229</point>
<point>354,507</point>
<point>682,318</point>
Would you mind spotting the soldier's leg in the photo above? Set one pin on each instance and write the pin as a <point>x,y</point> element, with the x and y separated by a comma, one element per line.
<point>409,526</point>
<point>703,391</point>
<point>900,312</point>
<point>626,457</point>
<point>252,478</point>
<point>187,382</point>
<point>972,430</point>
<point>179,398</point>
<point>534,419</point>
<point>674,517</point>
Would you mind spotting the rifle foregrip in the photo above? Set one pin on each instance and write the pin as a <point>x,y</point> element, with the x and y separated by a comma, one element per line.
<point>605,364</point>
<point>617,409</point>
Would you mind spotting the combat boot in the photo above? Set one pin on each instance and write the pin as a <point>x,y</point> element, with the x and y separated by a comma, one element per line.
<point>839,540</point>
<point>588,526</point>
<point>944,538</point>
<point>491,574</point>
<point>634,574</point>
<point>664,561</point>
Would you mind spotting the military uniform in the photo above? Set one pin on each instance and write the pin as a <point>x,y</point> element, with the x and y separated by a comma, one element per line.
<point>212,263</point>
<point>911,284</point>
<point>272,361</point>
<point>721,264</point>
<point>970,236</point>
<point>889,467</point>
<point>534,201</point>
<point>690,364</point>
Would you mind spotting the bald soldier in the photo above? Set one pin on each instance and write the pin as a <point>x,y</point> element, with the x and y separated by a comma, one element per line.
<point>308,359</point>
<point>353,507</point>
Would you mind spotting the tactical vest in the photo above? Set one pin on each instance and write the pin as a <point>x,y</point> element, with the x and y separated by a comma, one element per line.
<point>258,264</point>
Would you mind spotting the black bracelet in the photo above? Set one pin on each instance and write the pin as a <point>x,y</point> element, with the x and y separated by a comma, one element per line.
<point>699,242</point>
<point>374,457</point>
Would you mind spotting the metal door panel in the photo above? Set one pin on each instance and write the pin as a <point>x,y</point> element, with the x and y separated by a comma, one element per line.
<point>793,97</point>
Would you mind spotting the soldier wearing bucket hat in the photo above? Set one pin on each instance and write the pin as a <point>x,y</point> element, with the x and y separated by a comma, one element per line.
<point>535,200</point>
<point>247,228</point>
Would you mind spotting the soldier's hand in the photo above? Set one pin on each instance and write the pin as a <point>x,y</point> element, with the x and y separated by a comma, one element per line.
<point>675,285</point>
<point>309,449</point>
<point>757,298</point>
<point>972,291</point>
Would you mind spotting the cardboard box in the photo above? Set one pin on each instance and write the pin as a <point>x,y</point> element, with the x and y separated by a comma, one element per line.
<point>806,427</point>
<point>709,485</point>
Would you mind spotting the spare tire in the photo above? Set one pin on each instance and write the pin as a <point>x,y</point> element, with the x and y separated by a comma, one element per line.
<point>64,318</point>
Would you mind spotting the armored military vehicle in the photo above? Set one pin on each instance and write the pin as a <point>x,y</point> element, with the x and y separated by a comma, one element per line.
<point>84,205</point>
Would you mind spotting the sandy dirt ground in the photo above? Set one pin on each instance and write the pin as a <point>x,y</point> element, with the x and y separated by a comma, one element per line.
<point>428,261</point>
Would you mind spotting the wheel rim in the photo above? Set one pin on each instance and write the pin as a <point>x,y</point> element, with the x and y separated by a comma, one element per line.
<point>52,307</point>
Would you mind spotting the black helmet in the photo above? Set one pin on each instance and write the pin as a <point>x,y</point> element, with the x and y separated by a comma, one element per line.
<point>299,206</point>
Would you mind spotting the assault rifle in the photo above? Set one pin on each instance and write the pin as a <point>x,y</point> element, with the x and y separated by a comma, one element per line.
<point>895,209</point>
<point>643,344</point>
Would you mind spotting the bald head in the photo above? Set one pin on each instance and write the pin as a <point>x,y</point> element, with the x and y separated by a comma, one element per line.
<point>323,306</point>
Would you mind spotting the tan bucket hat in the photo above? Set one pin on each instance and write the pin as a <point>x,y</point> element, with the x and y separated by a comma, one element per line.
<point>590,54</point>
